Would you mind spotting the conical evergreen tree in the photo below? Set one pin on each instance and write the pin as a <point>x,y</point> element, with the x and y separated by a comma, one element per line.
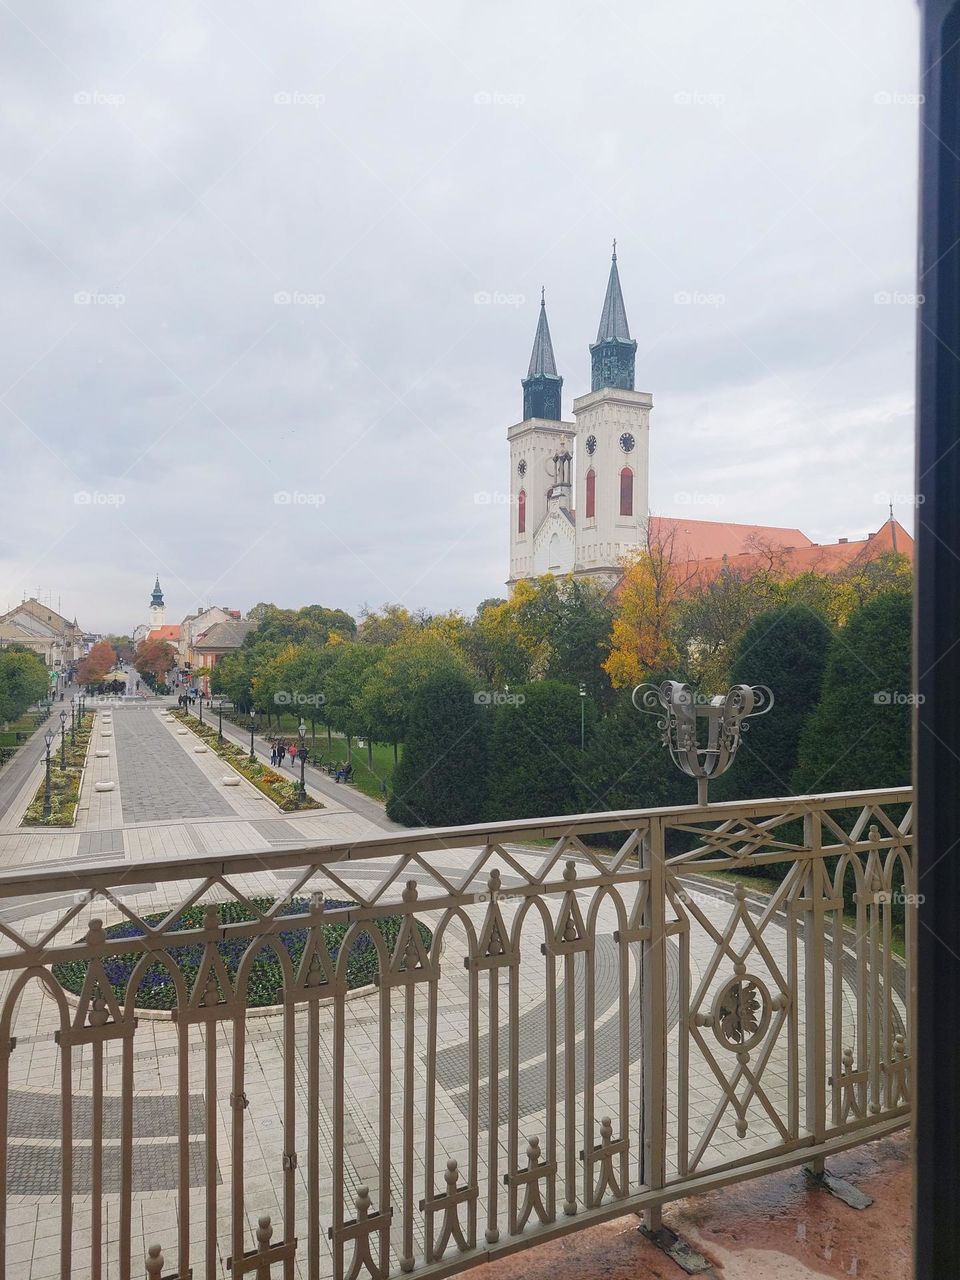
<point>859,734</point>
<point>785,648</point>
<point>441,779</point>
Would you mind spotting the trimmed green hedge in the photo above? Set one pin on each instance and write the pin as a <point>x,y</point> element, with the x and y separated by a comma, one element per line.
<point>64,783</point>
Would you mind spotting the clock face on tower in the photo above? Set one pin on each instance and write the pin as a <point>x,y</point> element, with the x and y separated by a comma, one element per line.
<point>522,467</point>
<point>627,442</point>
<point>591,445</point>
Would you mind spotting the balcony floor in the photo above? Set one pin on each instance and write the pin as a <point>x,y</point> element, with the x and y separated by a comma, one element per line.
<point>774,1226</point>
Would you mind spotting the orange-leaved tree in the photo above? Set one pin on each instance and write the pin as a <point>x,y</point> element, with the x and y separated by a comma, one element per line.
<point>97,664</point>
<point>655,581</point>
<point>154,658</point>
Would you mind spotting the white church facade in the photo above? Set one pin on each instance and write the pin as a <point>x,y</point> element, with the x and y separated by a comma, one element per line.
<point>580,490</point>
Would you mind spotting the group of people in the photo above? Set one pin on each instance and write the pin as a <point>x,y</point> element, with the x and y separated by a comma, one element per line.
<point>187,699</point>
<point>279,750</point>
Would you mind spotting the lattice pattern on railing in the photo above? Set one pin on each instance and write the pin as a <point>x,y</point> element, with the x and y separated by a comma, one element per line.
<point>552,1030</point>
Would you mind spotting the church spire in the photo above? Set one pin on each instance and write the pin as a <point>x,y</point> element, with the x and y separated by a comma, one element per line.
<point>613,354</point>
<point>156,597</point>
<point>541,386</point>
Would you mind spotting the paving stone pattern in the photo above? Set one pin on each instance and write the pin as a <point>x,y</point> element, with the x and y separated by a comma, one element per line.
<point>158,779</point>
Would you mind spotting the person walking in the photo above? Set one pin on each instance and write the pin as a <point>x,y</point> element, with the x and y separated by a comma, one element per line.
<point>292,749</point>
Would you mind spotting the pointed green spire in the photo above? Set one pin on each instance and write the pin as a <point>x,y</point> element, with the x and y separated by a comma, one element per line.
<point>541,386</point>
<point>612,355</point>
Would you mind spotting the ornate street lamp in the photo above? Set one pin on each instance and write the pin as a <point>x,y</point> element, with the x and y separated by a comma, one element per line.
<point>63,740</point>
<point>302,754</point>
<point>200,712</point>
<point>73,722</point>
<point>702,734</point>
<point>48,739</point>
<point>583,706</point>
<point>220,724</point>
<point>253,717</point>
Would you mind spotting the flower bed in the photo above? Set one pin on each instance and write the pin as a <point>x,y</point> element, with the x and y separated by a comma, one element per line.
<point>157,991</point>
<point>64,783</point>
<point>284,792</point>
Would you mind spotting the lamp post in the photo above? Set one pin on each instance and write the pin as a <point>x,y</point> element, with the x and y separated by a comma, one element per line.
<point>48,739</point>
<point>253,717</point>
<point>200,712</point>
<point>583,707</point>
<point>220,720</point>
<point>681,710</point>
<point>73,722</point>
<point>63,740</point>
<point>302,754</point>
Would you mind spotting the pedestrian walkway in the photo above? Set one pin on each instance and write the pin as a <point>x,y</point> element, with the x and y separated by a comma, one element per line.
<point>318,781</point>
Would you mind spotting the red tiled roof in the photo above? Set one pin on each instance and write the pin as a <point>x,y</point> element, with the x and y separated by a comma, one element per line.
<point>704,539</point>
<point>768,551</point>
<point>169,632</point>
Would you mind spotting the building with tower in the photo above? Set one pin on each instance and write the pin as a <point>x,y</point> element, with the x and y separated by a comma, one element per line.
<point>580,489</point>
<point>156,616</point>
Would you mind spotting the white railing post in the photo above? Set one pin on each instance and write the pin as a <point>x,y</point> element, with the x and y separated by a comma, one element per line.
<point>653,990</point>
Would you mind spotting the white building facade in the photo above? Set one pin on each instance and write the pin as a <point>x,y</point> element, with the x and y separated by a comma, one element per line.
<point>580,490</point>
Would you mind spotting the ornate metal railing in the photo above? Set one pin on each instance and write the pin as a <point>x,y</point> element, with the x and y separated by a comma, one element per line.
<point>554,1034</point>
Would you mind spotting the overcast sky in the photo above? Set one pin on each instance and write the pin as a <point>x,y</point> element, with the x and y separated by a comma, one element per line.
<point>172,172</point>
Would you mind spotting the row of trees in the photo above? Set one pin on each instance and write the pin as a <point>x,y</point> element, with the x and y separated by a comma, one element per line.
<point>152,660</point>
<point>841,721</point>
<point>492,709</point>
<point>23,681</point>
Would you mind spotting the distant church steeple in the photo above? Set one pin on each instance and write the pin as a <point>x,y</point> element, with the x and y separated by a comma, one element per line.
<point>157,609</point>
<point>541,386</point>
<point>613,355</point>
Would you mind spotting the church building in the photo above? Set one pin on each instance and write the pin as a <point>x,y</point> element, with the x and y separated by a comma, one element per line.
<point>580,490</point>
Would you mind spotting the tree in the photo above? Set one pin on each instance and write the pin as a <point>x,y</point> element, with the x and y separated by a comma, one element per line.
<point>23,681</point>
<point>312,624</point>
<point>97,664</point>
<point>859,733</point>
<point>441,779</point>
<point>122,646</point>
<point>390,685</point>
<point>536,763</point>
<point>785,648</point>
<point>154,659</point>
<point>386,626</point>
<point>652,587</point>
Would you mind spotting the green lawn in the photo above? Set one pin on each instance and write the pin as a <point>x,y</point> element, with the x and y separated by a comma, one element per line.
<point>373,782</point>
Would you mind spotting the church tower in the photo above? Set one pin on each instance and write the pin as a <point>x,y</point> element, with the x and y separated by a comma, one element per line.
<point>157,610</point>
<point>540,479</point>
<point>612,446</point>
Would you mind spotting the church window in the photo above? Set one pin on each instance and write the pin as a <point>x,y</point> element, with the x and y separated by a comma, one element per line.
<point>591,494</point>
<point>522,511</point>
<point>626,492</point>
